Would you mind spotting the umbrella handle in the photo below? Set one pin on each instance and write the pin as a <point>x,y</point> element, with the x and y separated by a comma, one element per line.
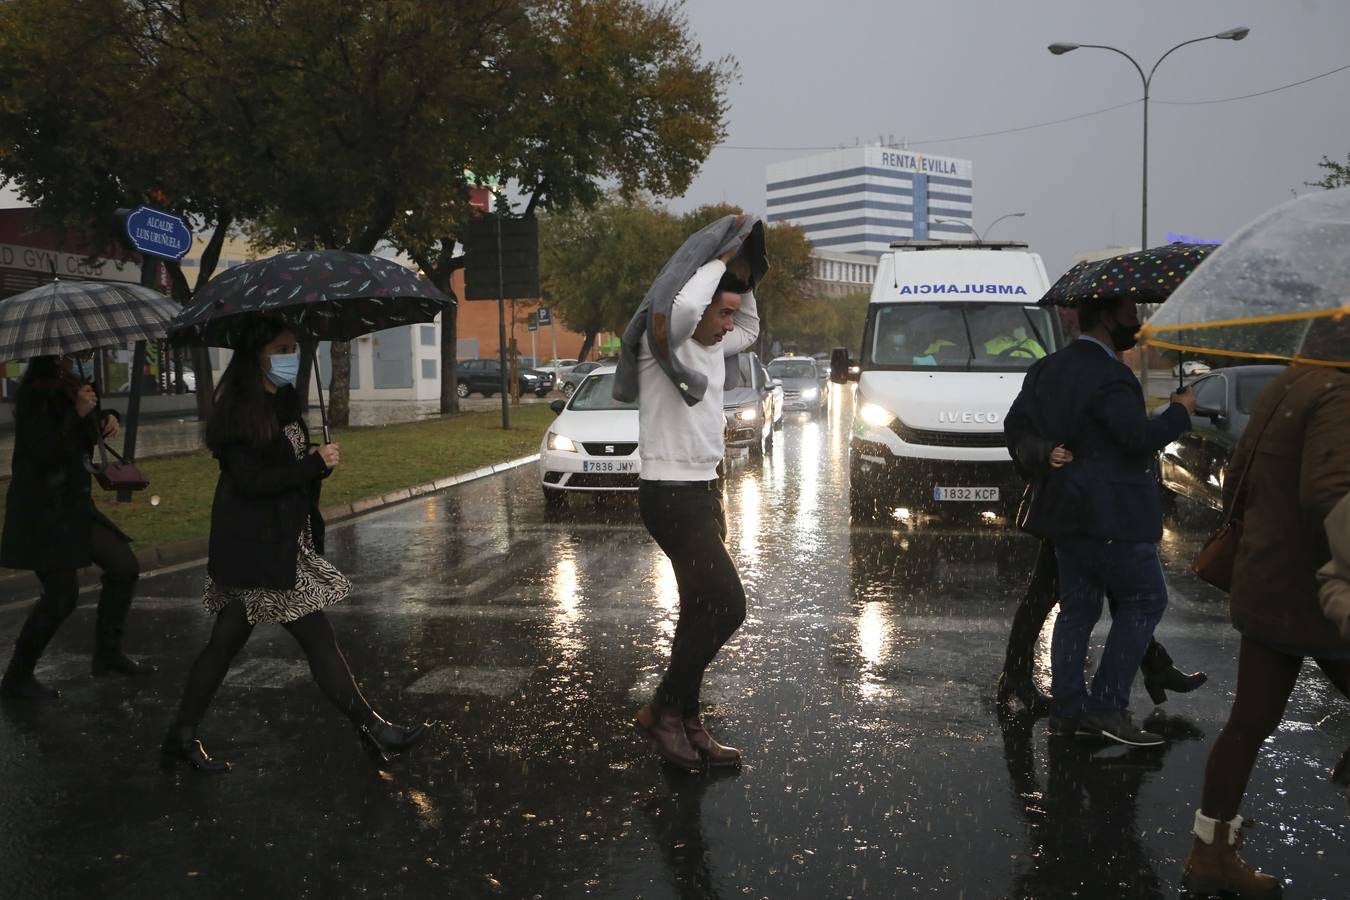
<point>318,386</point>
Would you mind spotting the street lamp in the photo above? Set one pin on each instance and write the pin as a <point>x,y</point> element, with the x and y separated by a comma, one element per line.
<point>1016,215</point>
<point>979,238</point>
<point>1059,48</point>
<point>962,222</point>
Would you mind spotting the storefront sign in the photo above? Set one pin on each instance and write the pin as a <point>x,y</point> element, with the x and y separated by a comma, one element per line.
<point>66,265</point>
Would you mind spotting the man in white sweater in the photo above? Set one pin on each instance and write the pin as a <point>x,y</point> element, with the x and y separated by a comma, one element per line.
<point>680,496</point>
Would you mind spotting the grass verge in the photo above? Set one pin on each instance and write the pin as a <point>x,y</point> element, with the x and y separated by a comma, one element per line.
<point>375,461</point>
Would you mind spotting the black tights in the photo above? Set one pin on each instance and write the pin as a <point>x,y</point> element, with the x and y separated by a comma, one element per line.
<point>315,635</point>
<point>1265,680</point>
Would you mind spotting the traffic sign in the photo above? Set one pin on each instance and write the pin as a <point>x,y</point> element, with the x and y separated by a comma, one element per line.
<point>158,233</point>
<point>532,322</point>
<point>545,316</point>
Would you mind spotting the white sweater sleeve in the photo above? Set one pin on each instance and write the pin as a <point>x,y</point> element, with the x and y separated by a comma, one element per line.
<point>692,300</point>
<point>746,330</point>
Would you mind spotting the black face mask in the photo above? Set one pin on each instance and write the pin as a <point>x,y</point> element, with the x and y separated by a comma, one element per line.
<point>1124,337</point>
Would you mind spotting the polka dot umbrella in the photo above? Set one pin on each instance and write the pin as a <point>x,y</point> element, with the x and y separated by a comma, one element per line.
<point>1145,276</point>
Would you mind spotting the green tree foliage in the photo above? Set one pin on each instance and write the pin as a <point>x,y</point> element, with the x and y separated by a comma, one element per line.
<point>342,124</point>
<point>596,264</point>
<point>1335,175</point>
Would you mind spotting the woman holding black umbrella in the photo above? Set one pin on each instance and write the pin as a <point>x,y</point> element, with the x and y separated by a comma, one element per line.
<point>53,528</point>
<point>266,537</point>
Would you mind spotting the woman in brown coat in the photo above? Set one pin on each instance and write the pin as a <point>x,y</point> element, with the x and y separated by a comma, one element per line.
<point>1298,447</point>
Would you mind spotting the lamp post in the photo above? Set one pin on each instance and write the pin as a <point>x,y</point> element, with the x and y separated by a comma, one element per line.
<point>1060,48</point>
<point>990,227</point>
<point>979,238</point>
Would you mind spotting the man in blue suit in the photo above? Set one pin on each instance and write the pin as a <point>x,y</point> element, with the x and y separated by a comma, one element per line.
<point>1102,508</point>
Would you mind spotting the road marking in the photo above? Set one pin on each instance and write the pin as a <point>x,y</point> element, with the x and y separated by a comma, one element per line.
<point>485,681</point>
<point>266,672</point>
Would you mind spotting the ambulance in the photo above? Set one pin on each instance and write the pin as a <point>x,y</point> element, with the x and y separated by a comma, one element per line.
<point>951,329</point>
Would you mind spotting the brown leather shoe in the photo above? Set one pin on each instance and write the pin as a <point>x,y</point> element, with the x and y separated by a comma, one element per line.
<point>663,726</point>
<point>707,746</point>
<point>1217,869</point>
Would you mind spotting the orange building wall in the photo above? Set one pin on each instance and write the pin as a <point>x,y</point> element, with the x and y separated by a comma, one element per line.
<point>478,319</point>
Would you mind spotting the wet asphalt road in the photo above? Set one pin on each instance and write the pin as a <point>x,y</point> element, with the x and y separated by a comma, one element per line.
<point>861,688</point>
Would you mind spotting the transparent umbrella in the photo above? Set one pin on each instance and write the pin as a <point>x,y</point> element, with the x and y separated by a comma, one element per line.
<point>1278,290</point>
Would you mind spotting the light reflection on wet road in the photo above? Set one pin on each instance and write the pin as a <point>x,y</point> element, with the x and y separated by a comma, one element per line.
<point>860,686</point>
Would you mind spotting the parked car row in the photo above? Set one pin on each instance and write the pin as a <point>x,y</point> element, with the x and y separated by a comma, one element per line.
<point>484,376</point>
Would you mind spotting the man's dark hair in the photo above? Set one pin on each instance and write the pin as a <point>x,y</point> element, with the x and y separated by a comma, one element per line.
<point>1090,313</point>
<point>733,283</point>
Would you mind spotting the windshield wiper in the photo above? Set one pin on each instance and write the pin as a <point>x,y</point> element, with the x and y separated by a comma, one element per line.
<point>970,341</point>
<point>1034,330</point>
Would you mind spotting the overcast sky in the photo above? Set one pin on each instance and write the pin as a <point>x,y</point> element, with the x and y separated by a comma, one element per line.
<point>822,74</point>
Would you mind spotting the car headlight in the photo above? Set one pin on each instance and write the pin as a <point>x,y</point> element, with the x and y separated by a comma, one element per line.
<point>530,377</point>
<point>875,415</point>
<point>810,393</point>
<point>747,413</point>
<point>559,442</point>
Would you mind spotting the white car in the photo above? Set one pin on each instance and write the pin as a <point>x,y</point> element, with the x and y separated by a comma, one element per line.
<point>1190,368</point>
<point>560,368</point>
<point>592,447</point>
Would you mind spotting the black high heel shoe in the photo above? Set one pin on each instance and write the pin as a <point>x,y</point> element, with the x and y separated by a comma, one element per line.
<point>1025,692</point>
<point>182,745</point>
<point>385,740</point>
<point>1171,679</point>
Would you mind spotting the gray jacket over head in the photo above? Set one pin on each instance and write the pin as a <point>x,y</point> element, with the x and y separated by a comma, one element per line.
<point>653,314</point>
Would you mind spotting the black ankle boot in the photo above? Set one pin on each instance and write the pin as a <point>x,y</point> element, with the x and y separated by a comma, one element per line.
<point>1171,679</point>
<point>181,745</point>
<point>107,661</point>
<point>385,740</point>
<point>1022,689</point>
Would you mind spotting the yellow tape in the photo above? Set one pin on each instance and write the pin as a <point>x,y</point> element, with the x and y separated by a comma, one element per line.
<point>1150,328</point>
<point>1240,354</point>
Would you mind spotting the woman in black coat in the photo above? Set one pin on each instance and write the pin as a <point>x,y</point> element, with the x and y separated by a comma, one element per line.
<point>266,539</point>
<point>52,527</point>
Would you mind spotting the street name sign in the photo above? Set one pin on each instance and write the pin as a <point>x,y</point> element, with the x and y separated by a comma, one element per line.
<point>158,233</point>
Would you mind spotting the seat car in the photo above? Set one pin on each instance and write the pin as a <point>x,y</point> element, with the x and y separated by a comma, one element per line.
<point>1195,464</point>
<point>803,387</point>
<point>484,376</point>
<point>576,376</point>
<point>752,404</point>
<point>592,446</point>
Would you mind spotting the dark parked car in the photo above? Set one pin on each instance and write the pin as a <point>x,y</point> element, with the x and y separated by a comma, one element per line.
<point>484,376</point>
<point>803,388</point>
<point>1194,465</point>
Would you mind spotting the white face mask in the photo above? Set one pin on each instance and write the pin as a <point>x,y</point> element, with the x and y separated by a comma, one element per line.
<point>285,368</point>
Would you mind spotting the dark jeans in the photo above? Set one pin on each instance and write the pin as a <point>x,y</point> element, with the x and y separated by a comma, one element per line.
<point>61,592</point>
<point>1089,569</point>
<point>1041,596</point>
<point>690,527</point>
<point>312,632</point>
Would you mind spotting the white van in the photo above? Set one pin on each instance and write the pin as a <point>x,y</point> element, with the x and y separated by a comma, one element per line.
<point>951,330</point>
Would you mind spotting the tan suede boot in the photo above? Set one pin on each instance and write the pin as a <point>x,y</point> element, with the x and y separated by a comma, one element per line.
<point>1214,866</point>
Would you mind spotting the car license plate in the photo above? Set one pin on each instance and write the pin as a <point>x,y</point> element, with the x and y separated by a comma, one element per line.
<point>966,494</point>
<point>618,466</point>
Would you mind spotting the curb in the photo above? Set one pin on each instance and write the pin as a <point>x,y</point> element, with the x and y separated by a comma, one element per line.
<point>178,553</point>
